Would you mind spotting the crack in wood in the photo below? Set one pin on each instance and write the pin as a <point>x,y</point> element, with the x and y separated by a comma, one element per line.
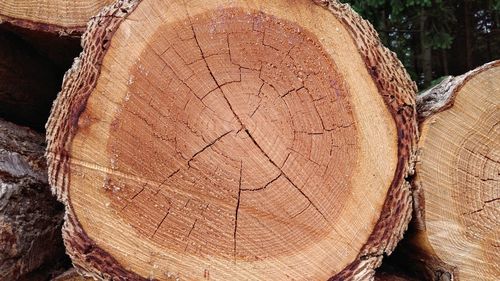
<point>166,179</point>
<point>263,187</point>
<point>300,212</point>
<point>192,227</point>
<point>207,146</point>
<point>161,222</point>
<point>284,175</point>
<point>482,208</point>
<point>242,128</point>
<point>237,211</point>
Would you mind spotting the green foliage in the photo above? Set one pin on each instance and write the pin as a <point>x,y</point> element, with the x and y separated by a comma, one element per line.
<point>496,5</point>
<point>404,15</point>
<point>409,27</point>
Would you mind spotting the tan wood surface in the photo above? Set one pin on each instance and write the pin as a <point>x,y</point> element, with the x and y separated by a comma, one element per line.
<point>459,172</point>
<point>233,140</point>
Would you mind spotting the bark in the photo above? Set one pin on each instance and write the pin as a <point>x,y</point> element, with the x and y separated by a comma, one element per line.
<point>210,147</point>
<point>441,96</point>
<point>70,275</point>
<point>460,112</point>
<point>30,218</point>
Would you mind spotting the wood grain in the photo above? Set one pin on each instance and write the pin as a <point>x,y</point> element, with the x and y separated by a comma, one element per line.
<point>64,17</point>
<point>228,140</point>
<point>459,172</point>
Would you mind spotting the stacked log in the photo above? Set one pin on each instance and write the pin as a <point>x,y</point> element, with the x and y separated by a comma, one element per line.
<point>30,218</point>
<point>232,140</point>
<point>458,173</point>
<point>237,140</point>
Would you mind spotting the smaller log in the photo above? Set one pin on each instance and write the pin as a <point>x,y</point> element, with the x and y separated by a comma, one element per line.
<point>30,218</point>
<point>456,229</point>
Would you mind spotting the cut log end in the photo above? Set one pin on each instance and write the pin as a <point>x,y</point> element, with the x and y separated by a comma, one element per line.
<point>232,140</point>
<point>459,172</point>
<point>241,128</point>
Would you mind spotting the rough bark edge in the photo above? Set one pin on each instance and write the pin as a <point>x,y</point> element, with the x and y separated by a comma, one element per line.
<point>61,127</point>
<point>416,250</point>
<point>414,258</point>
<point>73,31</point>
<point>386,70</point>
<point>442,96</point>
<point>398,91</point>
<point>70,275</point>
<point>430,102</point>
<point>30,218</point>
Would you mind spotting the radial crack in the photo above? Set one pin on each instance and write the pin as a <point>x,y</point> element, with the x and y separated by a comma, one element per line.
<point>303,210</point>
<point>166,179</point>
<point>284,175</point>
<point>232,110</point>
<point>207,146</point>
<point>263,187</point>
<point>491,200</point>
<point>192,227</point>
<point>307,197</point>
<point>237,211</point>
<point>482,207</point>
<point>162,220</point>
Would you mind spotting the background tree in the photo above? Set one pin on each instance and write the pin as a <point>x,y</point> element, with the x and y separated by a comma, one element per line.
<point>435,38</point>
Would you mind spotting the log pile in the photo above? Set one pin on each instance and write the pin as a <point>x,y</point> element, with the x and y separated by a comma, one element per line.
<point>238,140</point>
<point>30,218</point>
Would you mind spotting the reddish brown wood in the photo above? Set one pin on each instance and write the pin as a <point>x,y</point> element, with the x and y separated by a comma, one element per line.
<point>94,117</point>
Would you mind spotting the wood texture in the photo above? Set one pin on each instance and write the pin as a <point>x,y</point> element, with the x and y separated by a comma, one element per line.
<point>64,17</point>
<point>230,140</point>
<point>459,172</point>
<point>30,218</point>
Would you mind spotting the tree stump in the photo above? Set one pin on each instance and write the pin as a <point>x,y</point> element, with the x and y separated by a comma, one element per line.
<point>459,172</point>
<point>232,140</point>
<point>30,218</point>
